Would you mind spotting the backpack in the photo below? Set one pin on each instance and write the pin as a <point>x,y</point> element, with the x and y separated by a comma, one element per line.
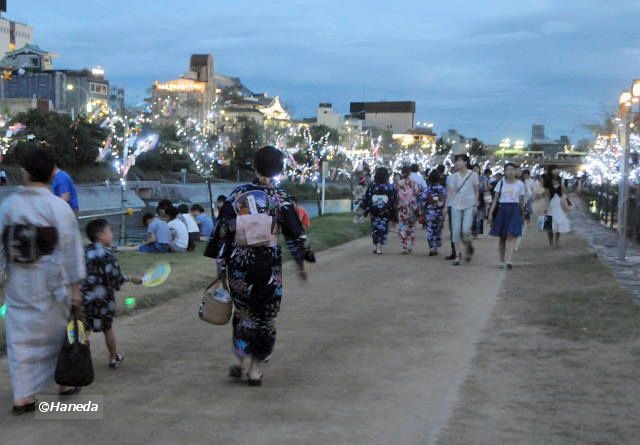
<point>256,223</point>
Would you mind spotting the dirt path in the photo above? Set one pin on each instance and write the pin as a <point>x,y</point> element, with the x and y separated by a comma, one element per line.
<point>558,361</point>
<point>372,350</point>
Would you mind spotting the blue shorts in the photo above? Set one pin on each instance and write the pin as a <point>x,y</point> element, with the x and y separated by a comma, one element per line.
<point>154,248</point>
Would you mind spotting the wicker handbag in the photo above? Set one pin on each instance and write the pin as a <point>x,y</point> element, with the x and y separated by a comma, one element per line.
<point>216,306</point>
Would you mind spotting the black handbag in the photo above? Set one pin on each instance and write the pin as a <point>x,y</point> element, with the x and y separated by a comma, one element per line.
<point>497,206</point>
<point>548,223</point>
<point>74,367</point>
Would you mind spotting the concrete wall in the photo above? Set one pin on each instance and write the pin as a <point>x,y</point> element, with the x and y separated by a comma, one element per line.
<point>396,122</point>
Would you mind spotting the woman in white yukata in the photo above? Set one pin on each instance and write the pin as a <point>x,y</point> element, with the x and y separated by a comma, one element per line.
<point>42,258</point>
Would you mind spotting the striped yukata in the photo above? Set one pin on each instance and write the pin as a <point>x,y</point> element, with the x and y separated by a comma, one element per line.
<point>36,294</point>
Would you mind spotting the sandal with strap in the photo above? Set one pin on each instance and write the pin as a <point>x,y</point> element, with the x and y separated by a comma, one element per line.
<point>235,372</point>
<point>23,409</point>
<point>254,382</point>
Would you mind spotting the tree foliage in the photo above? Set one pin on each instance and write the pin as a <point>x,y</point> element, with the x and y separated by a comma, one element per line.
<point>76,143</point>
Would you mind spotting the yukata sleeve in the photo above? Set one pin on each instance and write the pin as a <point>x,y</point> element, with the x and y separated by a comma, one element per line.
<point>3,257</point>
<point>293,231</point>
<point>70,244</point>
<point>365,204</point>
<point>117,277</point>
<point>220,245</point>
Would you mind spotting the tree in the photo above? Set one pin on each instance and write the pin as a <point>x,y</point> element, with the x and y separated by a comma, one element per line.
<point>476,148</point>
<point>76,143</point>
<point>245,150</point>
<point>442,147</point>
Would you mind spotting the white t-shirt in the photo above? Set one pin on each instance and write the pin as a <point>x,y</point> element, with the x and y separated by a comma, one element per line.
<point>528,189</point>
<point>510,193</point>
<point>418,179</point>
<point>465,195</point>
<point>179,233</point>
<point>192,225</point>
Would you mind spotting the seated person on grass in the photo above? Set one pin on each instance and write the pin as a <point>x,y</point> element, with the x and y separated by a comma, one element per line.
<point>204,221</point>
<point>179,241</point>
<point>158,236</point>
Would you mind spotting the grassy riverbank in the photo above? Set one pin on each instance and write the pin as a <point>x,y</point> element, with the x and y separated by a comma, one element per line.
<point>191,271</point>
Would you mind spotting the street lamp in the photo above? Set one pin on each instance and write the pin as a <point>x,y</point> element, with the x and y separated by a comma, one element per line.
<point>625,111</point>
<point>71,87</point>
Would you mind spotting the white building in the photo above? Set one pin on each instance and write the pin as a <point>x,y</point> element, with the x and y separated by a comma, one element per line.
<point>13,35</point>
<point>326,116</point>
<point>397,117</point>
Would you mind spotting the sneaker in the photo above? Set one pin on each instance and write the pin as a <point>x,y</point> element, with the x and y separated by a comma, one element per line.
<point>116,361</point>
<point>502,265</point>
<point>451,257</point>
<point>509,266</point>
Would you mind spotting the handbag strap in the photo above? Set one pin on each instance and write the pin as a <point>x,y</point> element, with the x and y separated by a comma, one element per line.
<point>464,182</point>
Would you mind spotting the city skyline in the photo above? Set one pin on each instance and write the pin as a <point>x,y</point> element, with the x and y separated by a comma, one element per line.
<point>489,71</point>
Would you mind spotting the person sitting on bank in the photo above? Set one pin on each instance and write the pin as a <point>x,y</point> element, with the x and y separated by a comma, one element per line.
<point>192,226</point>
<point>205,222</point>
<point>179,241</point>
<point>158,236</point>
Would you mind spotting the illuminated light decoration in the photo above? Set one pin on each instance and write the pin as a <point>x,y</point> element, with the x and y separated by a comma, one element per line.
<point>181,86</point>
<point>3,311</point>
<point>130,302</point>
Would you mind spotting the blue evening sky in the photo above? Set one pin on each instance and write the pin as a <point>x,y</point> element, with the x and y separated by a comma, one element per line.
<point>487,68</point>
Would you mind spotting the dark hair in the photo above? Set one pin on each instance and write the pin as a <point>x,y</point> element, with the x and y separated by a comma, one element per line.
<point>183,208</point>
<point>269,161</point>
<point>441,169</point>
<point>163,205</point>
<point>406,171</point>
<point>461,156</point>
<point>221,198</point>
<point>509,164</point>
<point>434,177</point>
<point>95,227</point>
<point>172,212</point>
<point>293,198</point>
<point>487,171</point>
<point>146,217</point>
<point>476,165</point>
<point>526,171</point>
<point>38,162</point>
<point>381,176</point>
<point>415,168</point>
<point>197,208</point>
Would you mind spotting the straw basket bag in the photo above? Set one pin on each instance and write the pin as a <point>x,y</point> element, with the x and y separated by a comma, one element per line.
<point>216,306</point>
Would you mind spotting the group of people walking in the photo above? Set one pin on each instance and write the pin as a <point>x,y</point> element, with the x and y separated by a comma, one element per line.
<point>48,272</point>
<point>465,197</point>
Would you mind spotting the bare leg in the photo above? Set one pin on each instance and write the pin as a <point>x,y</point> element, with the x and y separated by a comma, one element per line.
<point>550,236</point>
<point>510,248</point>
<point>110,341</point>
<point>502,245</point>
<point>557,240</point>
<point>255,371</point>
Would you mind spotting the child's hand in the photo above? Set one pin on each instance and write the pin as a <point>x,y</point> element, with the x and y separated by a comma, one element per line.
<point>136,280</point>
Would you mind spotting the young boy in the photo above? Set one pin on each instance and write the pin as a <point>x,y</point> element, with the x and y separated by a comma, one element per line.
<point>179,241</point>
<point>98,289</point>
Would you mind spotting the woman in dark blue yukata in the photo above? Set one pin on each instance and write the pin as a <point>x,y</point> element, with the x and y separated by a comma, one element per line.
<point>245,246</point>
<point>380,201</point>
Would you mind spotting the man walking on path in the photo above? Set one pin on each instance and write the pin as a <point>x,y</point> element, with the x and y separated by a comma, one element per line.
<point>64,187</point>
<point>417,177</point>
<point>463,188</point>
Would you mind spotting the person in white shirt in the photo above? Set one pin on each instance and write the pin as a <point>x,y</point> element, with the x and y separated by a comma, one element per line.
<point>416,177</point>
<point>192,225</point>
<point>463,190</point>
<point>179,241</point>
<point>507,225</point>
